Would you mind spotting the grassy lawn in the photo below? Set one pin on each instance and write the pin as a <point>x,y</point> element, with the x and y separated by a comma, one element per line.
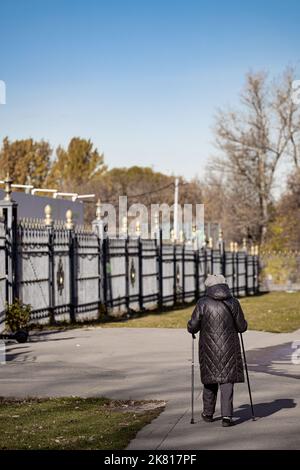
<point>72,423</point>
<point>275,312</point>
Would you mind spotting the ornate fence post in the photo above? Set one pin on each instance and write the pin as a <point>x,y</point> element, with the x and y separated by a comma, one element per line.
<point>245,249</point>
<point>237,265</point>
<point>49,225</point>
<point>252,267</point>
<point>183,272</point>
<point>211,252</point>
<point>100,228</point>
<point>105,273</point>
<point>222,253</point>
<point>174,274</point>
<point>160,269</point>
<point>196,271</point>
<point>232,266</point>
<point>205,261</point>
<point>256,277</point>
<point>126,273</point>
<point>10,213</point>
<point>140,264</point>
<point>72,264</point>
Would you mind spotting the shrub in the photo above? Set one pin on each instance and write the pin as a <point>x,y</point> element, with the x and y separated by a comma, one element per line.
<point>18,316</point>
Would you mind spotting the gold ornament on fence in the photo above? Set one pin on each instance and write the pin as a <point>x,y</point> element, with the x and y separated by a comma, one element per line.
<point>69,220</point>
<point>48,216</point>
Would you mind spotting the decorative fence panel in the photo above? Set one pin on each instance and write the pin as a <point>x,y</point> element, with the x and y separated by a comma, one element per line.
<point>189,274</point>
<point>230,271</point>
<point>135,281</point>
<point>117,260</point>
<point>61,248</point>
<point>241,274</point>
<point>250,277</point>
<point>168,275</point>
<point>33,268</point>
<point>150,269</point>
<point>179,274</point>
<point>88,276</point>
<point>216,262</point>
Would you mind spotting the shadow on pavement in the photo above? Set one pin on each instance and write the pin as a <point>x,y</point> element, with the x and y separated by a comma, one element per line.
<point>40,340</point>
<point>262,410</point>
<point>38,336</point>
<point>273,360</point>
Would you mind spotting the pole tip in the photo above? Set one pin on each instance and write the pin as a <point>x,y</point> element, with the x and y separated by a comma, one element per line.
<point>192,421</point>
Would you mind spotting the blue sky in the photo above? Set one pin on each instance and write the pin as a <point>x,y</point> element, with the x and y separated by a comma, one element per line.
<point>142,79</point>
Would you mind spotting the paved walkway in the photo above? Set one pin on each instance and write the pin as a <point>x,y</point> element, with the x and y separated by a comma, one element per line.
<point>155,364</point>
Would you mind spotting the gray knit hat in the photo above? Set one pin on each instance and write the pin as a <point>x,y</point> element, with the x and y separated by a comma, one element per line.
<point>213,279</point>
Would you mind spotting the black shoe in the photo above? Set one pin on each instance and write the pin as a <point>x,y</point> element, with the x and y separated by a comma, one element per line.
<point>227,422</point>
<point>207,418</point>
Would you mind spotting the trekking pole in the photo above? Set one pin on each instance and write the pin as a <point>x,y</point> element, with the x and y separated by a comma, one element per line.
<point>247,375</point>
<point>192,397</point>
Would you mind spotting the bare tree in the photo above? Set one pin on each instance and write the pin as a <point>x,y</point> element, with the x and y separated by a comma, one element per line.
<point>255,138</point>
<point>233,205</point>
<point>289,115</point>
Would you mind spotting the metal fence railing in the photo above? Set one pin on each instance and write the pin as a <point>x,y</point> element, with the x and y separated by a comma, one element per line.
<point>143,274</point>
<point>68,273</point>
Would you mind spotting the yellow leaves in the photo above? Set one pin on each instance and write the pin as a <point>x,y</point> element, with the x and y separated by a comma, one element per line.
<point>76,166</point>
<point>27,161</point>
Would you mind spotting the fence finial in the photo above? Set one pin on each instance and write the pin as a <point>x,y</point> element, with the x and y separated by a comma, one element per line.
<point>256,250</point>
<point>98,210</point>
<point>69,220</point>
<point>221,241</point>
<point>236,247</point>
<point>48,213</point>
<point>8,190</point>
<point>232,247</point>
<point>245,245</point>
<point>124,225</point>
<point>138,228</point>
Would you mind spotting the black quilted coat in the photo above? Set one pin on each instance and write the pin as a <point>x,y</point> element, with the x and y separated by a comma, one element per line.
<point>219,346</point>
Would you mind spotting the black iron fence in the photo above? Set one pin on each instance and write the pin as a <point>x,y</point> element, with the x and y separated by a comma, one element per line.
<point>142,274</point>
<point>69,273</point>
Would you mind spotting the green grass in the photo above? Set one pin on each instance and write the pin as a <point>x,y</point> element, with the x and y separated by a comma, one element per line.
<point>72,423</point>
<point>275,312</point>
<point>278,312</point>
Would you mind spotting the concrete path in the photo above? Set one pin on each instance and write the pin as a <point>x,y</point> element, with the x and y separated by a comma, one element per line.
<point>155,364</point>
